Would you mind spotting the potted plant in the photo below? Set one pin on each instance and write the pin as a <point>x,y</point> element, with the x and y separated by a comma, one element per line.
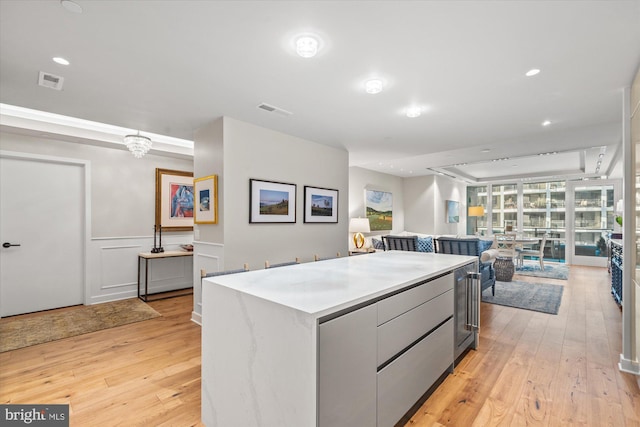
<point>601,246</point>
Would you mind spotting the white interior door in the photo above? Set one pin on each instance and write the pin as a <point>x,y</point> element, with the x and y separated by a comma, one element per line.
<point>42,209</point>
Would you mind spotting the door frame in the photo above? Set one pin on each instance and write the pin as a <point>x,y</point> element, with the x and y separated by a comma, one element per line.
<point>570,215</point>
<point>85,165</point>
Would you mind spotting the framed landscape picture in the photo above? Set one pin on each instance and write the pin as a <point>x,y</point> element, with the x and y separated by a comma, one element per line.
<point>206,204</point>
<point>379,209</point>
<point>453,211</point>
<point>174,200</point>
<point>271,202</point>
<point>320,204</point>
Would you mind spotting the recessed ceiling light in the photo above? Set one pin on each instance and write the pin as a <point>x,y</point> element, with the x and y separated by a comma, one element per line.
<point>307,46</point>
<point>71,6</point>
<point>546,123</point>
<point>60,60</point>
<point>373,86</point>
<point>414,112</point>
<point>532,72</point>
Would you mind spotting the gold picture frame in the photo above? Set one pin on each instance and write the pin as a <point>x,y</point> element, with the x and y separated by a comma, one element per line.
<point>174,200</point>
<point>205,207</point>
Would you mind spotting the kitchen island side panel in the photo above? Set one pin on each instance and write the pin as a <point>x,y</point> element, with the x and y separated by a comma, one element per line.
<point>258,361</point>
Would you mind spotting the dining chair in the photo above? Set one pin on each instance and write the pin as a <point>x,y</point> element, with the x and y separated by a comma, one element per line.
<point>282,264</point>
<point>204,274</point>
<point>505,244</point>
<point>534,252</point>
<point>317,257</point>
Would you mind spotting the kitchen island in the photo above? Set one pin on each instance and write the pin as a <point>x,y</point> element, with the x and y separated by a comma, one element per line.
<point>348,341</point>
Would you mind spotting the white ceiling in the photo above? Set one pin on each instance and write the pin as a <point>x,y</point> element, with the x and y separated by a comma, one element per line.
<point>169,67</point>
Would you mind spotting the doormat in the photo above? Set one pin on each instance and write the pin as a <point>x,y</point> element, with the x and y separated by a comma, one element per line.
<point>27,330</point>
<point>543,297</point>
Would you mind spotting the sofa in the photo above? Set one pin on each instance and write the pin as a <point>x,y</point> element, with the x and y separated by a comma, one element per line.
<point>472,246</point>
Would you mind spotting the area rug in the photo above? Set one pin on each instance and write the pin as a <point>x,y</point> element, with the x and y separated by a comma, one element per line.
<point>24,331</point>
<point>551,271</point>
<point>543,297</point>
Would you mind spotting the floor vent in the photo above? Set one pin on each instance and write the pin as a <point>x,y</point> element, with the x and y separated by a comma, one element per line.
<point>272,109</point>
<point>50,80</point>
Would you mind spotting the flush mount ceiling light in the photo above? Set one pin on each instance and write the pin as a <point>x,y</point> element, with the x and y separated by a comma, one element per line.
<point>546,123</point>
<point>413,112</point>
<point>71,6</point>
<point>138,145</point>
<point>60,60</point>
<point>532,72</point>
<point>373,86</point>
<point>307,46</point>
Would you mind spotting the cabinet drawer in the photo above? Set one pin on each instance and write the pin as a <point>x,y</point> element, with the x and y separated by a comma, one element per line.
<point>400,332</point>
<point>406,379</point>
<point>401,303</point>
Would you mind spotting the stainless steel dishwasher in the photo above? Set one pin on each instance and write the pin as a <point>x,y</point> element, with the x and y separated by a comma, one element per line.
<point>467,310</point>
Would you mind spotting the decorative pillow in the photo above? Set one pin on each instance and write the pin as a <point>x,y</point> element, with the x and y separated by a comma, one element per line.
<point>489,255</point>
<point>483,245</point>
<point>425,244</point>
<point>377,244</point>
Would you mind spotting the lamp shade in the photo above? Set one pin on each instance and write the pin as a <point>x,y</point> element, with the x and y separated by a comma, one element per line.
<point>359,225</point>
<point>476,210</point>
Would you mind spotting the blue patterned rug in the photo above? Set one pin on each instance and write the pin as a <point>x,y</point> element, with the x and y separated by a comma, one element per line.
<point>551,271</point>
<point>543,297</point>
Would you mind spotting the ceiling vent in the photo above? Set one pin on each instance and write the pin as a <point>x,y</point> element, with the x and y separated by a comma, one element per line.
<point>272,109</point>
<point>50,80</point>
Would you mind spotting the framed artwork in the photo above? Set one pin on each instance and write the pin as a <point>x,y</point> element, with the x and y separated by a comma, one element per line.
<point>453,211</point>
<point>205,208</point>
<point>174,200</point>
<point>271,202</point>
<point>379,209</point>
<point>320,204</point>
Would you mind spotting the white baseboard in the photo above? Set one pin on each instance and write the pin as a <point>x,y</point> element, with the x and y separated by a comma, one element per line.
<point>629,366</point>
<point>196,318</point>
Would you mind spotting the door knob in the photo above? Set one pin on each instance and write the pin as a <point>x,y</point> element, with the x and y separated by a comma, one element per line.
<point>7,245</point>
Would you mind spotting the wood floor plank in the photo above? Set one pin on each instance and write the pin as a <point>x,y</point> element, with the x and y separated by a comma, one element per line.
<point>530,369</point>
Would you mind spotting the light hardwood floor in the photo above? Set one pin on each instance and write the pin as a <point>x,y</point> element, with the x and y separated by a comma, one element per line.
<point>531,369</point>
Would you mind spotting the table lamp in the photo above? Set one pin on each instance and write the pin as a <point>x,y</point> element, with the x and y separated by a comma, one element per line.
<point>476,211</point>
<point>359,226</point>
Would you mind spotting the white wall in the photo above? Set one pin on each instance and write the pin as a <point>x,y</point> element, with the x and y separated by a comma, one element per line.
<point>418,202</point>
<point>251,151</point>
<point>122,210</point>
<point>254,152</point>
<point>448,189</point>
<point>122,187</point>
<point>208,154</point>
<point>425,204</point>
<point>361,179</point>
<point>420,206</point>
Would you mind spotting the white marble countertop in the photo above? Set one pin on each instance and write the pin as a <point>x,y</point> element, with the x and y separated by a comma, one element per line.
<point>325,287</point>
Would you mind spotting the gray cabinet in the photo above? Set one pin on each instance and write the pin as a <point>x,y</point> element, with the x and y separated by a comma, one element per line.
<point>346,370</point>
<point>407,378</point>
<point>412,332</point>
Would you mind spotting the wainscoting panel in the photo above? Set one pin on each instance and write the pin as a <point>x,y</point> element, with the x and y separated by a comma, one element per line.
<point>210,258</point>
<point>113,266</point>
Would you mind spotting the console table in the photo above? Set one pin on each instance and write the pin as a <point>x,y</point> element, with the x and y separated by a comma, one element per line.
<point>143,284</point>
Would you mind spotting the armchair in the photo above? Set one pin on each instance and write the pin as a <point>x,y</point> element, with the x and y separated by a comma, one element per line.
<point>472,246</point>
